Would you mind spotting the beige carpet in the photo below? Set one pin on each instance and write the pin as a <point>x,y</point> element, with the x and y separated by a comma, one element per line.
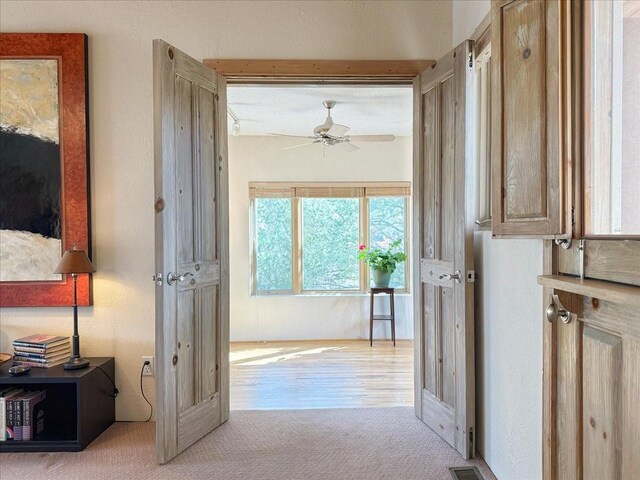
<point>365,443</point>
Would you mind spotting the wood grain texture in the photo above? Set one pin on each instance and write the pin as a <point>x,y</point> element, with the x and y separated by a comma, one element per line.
<point>549,373</point>
<point>613,260</point>
<point>527,127</point>
<point>443,165</point>
<point>165,251</point>
<point>190,239</point>
<point>569,426</point>
<point>630,411</point>
<point>524,110</point>
<point>246,68</point>
<point>612,316</point>
<point>418,248</point>
<point>320,374</point>
<point>610,291</point>
<point>601,409</point>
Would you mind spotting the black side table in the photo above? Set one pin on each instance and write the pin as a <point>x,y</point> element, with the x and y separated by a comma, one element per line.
<point>389,318</point>
<point>79,405</point>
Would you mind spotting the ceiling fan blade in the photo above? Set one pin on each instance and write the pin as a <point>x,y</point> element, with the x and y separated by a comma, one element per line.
<point>372,138</point>
<point>337,130</point>
<point>289,136</point>
<point>296,146</point>
<point>345,147</point>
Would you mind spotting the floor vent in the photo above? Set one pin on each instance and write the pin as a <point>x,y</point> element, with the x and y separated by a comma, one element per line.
<point>466,473</point>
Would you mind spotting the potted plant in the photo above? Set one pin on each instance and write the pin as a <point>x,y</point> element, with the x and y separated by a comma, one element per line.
<point>382,262</point>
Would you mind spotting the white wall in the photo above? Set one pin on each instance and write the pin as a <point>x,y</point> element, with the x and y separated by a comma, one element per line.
<point>253,158</point>
<point>121,322</point>
<point>508,332</point>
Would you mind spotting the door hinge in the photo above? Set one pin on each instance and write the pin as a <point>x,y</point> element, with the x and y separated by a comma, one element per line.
<point>157,278</point>
<point>472,276</point>
<point>573,215</point>
<point>470,59</point>
<point>471,445</point>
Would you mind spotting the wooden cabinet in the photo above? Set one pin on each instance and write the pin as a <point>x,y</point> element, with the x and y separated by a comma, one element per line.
<point>79,405</point>
<point>530,130</point>
<point>595,386</point>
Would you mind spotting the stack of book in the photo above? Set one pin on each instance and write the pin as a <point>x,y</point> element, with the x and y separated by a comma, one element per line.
<point>41,351</point>
<point>21,414</point>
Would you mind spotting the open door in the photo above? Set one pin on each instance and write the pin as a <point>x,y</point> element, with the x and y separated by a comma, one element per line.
<point>192,250</point>
<point>443,249</point>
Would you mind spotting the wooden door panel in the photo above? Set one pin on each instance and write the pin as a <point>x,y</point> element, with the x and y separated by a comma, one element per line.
<point>184,170</point>
<point>523,109</point>
<point>186,349</point>
<point>192,311</point>
<point>444,171</point>
<point>209,341</point>
<point>431,345</point>
<point>597,370</point>
<point>630,412</point>
<point>447,358</point>
<point>601,409</point>
<point>444,394</point>
<point>528,167</point>
<point>430,148</point>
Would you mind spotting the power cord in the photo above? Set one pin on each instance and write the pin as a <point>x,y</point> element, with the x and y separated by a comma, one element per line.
<point>115,390</point>
<point>146,362</point>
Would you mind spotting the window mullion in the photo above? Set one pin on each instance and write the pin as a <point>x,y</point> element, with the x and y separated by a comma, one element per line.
<point>364,240</point>
<point>296,245</point>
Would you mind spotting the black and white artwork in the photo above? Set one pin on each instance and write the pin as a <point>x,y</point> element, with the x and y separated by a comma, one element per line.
<point>30,170</point>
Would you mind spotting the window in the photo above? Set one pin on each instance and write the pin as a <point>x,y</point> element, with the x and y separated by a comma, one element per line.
<point>305,237</point>
<point>483,136</point>
<point>612,118</point>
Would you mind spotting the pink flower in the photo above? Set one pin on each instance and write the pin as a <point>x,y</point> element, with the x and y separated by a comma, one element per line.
<point>362,247</point>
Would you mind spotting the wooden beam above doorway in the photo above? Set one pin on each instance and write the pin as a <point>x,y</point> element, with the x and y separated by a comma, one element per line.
<point>240,70</point>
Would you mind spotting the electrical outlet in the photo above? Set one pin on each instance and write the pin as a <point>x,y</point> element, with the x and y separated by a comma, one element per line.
<point>147,370</point>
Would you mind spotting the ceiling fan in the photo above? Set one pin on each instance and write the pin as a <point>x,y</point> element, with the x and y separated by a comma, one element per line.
<point>331,134</point>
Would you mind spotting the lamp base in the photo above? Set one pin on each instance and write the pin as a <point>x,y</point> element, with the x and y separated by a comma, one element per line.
<point>76,363</point>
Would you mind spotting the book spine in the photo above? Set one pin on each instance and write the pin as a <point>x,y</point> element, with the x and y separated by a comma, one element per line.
<point>29,407</point>
<point>26,419</point>
<point>3,419</point>
<point>9,419</point>
<point>17,414</point>
<point>21,358</point>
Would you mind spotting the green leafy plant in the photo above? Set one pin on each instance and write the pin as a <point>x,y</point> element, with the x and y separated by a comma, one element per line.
<point>385,260</point>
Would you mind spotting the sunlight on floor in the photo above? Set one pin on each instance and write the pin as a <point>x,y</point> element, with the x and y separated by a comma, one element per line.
<point>268,355</point>
<point>321,374</point>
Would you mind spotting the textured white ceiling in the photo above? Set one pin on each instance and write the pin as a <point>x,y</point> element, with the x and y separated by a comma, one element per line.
<point>296,110</point>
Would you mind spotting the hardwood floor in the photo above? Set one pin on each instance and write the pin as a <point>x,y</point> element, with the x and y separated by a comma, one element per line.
<point>321,374</point>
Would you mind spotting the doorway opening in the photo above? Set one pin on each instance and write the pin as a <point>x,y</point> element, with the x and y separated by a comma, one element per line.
<point>301,205</point>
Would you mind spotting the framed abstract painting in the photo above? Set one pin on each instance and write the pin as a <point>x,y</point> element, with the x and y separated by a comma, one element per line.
<point>44,166</point>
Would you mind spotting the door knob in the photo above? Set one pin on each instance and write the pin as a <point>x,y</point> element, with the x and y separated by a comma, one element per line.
<point>173,278</point>
<point>554,312</point>
<point>451,276</point>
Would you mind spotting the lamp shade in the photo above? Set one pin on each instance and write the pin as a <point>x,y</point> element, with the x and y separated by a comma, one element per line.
<point>75,261</point>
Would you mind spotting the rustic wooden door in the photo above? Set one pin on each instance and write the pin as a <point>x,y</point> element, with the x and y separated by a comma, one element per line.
<point>443,249</point>
<point>530,128</point>
<point>592,381</point>
<point>192,279</point>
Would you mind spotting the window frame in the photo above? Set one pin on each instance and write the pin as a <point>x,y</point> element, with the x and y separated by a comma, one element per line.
<point>296,232</point>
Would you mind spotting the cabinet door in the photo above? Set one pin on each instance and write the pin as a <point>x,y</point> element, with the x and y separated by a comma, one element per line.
<point>595,415</point>
<point>529,160</point>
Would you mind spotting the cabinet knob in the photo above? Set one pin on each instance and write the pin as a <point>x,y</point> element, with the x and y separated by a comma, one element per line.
<point>554,312</point>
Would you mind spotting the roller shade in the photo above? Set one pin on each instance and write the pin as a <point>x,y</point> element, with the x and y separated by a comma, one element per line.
<point>271,192</point>
<point>316,190</point>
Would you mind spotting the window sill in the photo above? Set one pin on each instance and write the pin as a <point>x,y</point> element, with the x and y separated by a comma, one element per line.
<point>322,294</point>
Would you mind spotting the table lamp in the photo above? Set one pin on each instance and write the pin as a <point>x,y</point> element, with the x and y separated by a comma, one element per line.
<point>75,262</point>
